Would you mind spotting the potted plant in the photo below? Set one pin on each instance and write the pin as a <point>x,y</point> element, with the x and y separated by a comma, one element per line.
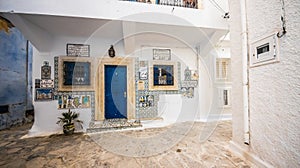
<point>68,120</point>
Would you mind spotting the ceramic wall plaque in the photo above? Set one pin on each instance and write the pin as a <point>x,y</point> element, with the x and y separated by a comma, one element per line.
<point>43,94</point>
<point>162,54</point>
<point>46,83</point>
<point>74,101</point>
<point>143,70</point>
<point>46,71</point>
<point>78,50</point>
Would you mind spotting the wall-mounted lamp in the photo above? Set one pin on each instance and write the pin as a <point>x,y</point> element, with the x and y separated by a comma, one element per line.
<point>111,51</point>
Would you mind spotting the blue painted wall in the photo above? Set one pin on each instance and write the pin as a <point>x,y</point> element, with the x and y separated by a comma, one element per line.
<point>29,105</point>
<point>14,90</point>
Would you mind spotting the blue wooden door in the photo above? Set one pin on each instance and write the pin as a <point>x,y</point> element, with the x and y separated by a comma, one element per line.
<point>115,91</point>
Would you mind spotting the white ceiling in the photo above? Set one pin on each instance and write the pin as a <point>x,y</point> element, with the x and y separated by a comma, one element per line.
<point>144,33</point>
<point>172,35</point>
<point>74,26</point>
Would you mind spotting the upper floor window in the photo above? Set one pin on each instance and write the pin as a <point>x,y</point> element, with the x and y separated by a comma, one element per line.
<point>225,96</point>
<point>222,69</point>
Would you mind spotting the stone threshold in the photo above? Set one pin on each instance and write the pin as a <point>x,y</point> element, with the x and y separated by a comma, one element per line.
<point>112,124</point>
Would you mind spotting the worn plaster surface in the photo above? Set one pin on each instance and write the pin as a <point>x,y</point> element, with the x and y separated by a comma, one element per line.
<point>13,47</point>
<point>274,88</point>
<point>80,150</point>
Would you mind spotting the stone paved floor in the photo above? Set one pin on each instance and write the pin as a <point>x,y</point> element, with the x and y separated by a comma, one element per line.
<point>179,145</point>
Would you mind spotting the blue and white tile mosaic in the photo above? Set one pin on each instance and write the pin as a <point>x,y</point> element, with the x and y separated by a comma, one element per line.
<point>146,110</point>
<point>151,111</point>
<point>57,93</point>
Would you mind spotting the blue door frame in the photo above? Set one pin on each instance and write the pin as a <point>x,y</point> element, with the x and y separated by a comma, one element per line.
<point>115,91</point>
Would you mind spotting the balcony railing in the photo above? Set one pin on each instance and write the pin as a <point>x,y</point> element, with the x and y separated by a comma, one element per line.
<point>179,3</point>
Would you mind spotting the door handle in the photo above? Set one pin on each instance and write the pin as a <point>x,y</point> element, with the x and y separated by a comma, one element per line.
<point>125,94</point>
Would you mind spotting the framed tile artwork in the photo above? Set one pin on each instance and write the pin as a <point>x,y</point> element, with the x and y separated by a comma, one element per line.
<point>74,101</point>
<point>43,94</point>
<point>75,74</point>
<point>163,76</point>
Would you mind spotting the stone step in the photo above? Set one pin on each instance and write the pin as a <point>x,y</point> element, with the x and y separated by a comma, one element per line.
<point>112,124</point>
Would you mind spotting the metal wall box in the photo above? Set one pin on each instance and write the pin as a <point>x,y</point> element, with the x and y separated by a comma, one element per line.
<point>264,51</point>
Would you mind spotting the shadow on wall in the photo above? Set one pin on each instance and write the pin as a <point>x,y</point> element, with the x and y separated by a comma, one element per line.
<point>14,76</point>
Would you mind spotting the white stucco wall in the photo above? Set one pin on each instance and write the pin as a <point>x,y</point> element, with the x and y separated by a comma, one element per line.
<point>46,112</point>
<point>176,108</point>
<point>52,42</point>
<point>172,108</point>
<point>205,105</point>
<point>273,88</point>
<point>210,108</point>
<point>223,51</point>
<point>236,66</point>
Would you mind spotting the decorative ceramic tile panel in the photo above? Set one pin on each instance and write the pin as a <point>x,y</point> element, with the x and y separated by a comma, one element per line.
<point>55,77</point>
<point>152,111</point>
<point>147,110</point>
<point>46,71</point>
<point>191,83</point>
<point>58,94</point>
